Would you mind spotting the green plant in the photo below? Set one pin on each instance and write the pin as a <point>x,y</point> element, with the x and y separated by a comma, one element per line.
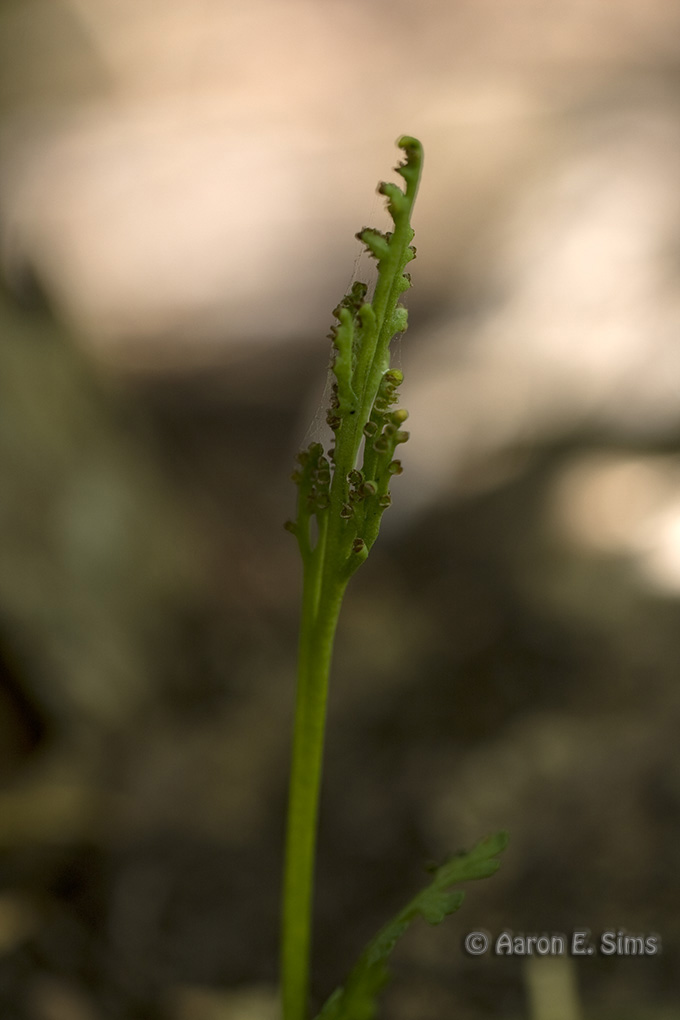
<point>339,509</point>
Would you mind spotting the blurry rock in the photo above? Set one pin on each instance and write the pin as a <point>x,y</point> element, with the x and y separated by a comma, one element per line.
<point>579,328</point>
<point>207,202</point>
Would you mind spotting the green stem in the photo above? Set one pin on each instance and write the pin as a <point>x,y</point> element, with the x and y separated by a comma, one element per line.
<point>338,551</point>
<point>316,647</point>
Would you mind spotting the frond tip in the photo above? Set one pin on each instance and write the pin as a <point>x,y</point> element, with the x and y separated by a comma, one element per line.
<point>412,166</point>
<point>347,489</point>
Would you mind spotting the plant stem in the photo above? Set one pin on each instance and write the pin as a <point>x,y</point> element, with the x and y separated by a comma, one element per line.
<point>347,505</point>
<point>316,645</point>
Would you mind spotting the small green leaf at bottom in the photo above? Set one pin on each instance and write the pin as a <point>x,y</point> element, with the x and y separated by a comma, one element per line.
<point>357,999</point>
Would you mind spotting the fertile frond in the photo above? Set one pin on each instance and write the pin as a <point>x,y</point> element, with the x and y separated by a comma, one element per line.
<point>364,388</point>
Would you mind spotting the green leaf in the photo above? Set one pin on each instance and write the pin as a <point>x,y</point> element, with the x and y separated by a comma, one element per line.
<point>357,999</point>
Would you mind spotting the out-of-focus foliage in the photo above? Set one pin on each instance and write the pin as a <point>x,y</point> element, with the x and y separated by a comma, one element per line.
<point>93,551</point>
<point>357,998</point>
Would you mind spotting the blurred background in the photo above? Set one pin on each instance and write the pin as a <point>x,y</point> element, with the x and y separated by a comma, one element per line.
<point>180,184</point>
